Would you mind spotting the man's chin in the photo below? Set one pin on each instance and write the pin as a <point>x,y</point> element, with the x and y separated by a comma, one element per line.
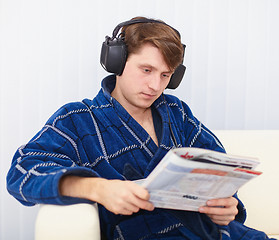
<point>144,104</point>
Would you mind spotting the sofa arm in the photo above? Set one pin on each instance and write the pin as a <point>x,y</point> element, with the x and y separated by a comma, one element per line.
<point>79,221</point>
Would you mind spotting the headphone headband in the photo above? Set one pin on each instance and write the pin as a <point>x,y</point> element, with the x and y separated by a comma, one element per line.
<point>135,21</point>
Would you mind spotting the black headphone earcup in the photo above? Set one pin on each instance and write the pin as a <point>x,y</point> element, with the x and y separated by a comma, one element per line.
<point>113,56</point>
<point>176,77</point>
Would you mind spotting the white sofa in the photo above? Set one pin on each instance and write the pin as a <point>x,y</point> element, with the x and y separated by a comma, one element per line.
<point>260,196</point>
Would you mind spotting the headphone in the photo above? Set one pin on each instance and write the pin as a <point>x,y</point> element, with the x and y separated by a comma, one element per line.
<point>114,53</point>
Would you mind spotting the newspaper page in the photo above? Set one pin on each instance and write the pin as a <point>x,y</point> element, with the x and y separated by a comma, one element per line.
<point>187,177</point>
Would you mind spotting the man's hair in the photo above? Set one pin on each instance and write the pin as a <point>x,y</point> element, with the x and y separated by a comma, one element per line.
<point>162,36</point>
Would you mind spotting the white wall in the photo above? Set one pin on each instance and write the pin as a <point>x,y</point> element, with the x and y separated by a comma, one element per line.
<point>49,55</point>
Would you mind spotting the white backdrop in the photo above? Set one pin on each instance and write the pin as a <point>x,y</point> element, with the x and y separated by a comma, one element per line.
<point>49,55</point>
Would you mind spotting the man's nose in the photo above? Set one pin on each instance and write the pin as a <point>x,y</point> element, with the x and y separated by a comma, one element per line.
<point>155,82</point>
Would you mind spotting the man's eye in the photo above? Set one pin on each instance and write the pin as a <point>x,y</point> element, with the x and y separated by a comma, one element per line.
<point>146,70</point>
<point>166,75</point>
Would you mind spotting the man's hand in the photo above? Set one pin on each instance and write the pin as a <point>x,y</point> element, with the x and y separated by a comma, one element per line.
<point>221,211</point>
<point>119,197</point>
<point>123,197</point>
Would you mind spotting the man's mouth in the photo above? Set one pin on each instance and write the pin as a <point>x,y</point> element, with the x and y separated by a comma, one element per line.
<point>149,95</point>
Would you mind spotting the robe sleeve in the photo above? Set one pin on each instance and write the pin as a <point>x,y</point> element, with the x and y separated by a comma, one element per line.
<point>53,152</point>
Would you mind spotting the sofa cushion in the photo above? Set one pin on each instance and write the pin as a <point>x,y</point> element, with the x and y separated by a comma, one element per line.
<point>260,195</point>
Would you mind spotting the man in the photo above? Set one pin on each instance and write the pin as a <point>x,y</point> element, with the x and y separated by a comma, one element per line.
<point>90,151</point>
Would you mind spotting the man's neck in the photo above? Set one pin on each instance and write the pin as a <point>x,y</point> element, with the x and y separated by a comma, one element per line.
<point>143,116</point>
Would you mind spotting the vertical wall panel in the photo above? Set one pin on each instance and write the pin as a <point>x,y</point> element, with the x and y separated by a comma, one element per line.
<point>199,48</point>
<point>2,177</point>
<point>217,64</point>
<point>236,65</point>
<point>256,64</point>
<point>9,90</point>
<point>271,115</point>
<point>49,55</point>
<point>50,96</point>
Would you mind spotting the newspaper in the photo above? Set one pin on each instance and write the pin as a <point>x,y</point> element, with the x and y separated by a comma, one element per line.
<point>187,177</point>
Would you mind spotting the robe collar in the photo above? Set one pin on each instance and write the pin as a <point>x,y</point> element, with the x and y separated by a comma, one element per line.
<point>159,105</point>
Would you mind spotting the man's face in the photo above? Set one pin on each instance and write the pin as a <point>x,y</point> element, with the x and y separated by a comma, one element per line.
<point>144,78</point>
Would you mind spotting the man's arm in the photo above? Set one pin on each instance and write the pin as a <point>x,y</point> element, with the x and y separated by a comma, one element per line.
<point>117,196</point>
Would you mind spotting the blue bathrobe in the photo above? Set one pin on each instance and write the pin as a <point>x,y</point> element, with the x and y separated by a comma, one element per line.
<point>98,138</point>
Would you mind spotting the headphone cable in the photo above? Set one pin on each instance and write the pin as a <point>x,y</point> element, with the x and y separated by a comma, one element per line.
<point>169,120</point>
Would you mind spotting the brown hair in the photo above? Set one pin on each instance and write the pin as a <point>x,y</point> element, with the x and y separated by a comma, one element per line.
<point>162,36</point>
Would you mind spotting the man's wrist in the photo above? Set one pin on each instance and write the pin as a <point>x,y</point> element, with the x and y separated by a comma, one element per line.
<point>81,187</point>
